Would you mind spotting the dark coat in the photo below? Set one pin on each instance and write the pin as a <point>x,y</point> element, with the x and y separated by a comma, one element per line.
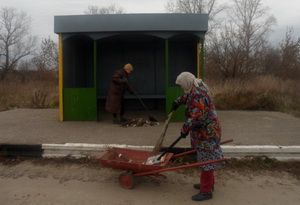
<point>116,91</point>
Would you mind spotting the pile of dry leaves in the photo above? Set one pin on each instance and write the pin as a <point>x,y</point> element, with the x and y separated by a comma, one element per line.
<point>139,122</point>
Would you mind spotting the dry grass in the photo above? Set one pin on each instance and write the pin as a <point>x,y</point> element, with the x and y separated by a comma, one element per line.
<point>38,89</point>
<point>258,93</point>
<point>29,89</point>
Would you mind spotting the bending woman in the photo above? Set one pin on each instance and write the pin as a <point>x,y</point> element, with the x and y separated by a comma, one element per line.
<point>204,128</point>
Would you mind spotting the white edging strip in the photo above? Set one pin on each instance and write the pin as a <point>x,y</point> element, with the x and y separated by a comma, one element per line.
<point>271,151</point>
<point>83,150</point>
<point>230,151</point>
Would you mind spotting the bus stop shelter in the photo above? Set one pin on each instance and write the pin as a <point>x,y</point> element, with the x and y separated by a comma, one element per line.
<point>92,47</point>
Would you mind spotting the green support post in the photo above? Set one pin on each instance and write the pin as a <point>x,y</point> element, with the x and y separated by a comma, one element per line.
<point>95,64</point>
<point>167,61</point>
<point>172,92</point>
<point>203,66</point>
<point>95,76</point>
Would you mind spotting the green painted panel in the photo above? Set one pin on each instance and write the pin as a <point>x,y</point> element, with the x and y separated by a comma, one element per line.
<point>172,94</point>
<point>80,104</point>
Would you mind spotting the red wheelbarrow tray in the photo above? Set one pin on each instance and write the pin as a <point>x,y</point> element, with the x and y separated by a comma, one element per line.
<point>131,160</point>
<point>134,161</point>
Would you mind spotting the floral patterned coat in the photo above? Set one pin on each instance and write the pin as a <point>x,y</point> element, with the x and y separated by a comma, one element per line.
<point>202,124</point>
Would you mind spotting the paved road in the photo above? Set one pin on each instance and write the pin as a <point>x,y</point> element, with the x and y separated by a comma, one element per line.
<point>42,126</point>
<point>55,183</point>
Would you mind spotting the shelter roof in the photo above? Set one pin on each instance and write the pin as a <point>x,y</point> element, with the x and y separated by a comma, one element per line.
<point>161,22</point>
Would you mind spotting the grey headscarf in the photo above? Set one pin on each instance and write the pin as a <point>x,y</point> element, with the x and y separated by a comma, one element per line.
<point>187,80</point>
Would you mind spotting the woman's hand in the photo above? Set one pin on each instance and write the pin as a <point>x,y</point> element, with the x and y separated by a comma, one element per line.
<point>174,106</point>
<point>183,135</point>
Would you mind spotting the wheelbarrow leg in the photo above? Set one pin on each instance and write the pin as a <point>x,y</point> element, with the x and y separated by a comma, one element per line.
<point>126,180</point>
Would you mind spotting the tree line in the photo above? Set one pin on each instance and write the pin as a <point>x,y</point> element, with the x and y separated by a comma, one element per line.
<point>237,42</point>
<point>19,49</point>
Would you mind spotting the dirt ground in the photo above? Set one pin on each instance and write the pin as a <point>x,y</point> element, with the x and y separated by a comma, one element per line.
<point>52,182</point>
<point>32,126</point>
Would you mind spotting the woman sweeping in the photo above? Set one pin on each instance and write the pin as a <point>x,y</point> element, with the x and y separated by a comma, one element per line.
<point>204,128</point>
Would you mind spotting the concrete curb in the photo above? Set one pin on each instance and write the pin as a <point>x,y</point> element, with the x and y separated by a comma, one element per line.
<point>79,150</point>
<point>230,151</point>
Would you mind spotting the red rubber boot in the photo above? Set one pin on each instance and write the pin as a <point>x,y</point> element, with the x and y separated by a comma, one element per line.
<point>206,186</point>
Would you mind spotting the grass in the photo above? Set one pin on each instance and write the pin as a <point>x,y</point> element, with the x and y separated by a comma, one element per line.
<point>29,89</point>
<point>257,93</point>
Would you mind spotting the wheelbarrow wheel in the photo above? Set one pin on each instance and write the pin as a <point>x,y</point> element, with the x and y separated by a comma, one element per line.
<point>126,180</point>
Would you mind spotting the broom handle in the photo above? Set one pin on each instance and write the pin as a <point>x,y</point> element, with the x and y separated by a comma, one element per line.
<point>171,146</point>
<point>162,135</point>
<point>141,101</point>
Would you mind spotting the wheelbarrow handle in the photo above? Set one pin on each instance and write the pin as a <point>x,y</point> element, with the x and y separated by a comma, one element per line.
<point>197,164</point>
<point>194,150</point>
<point>170,147</point>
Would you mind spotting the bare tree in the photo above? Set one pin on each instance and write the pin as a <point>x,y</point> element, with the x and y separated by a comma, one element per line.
<point>25,65</point>
<point>191,6</point>
<point>253,24</point>
<point>15,39</point>
<point>210,7</point>
<point>290,54</point>
<point>271,60</point>
<point>47,58</point>
<point>238,46</point>
<point>111,9</point>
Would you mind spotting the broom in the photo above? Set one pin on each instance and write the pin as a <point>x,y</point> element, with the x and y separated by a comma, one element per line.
<point>160,140</point>
<point>150,117</point>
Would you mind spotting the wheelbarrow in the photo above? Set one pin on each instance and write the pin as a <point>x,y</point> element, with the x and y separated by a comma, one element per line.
<point>134,162</point>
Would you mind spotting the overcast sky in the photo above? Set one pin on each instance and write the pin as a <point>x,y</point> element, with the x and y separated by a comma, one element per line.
<point>42,12</point>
